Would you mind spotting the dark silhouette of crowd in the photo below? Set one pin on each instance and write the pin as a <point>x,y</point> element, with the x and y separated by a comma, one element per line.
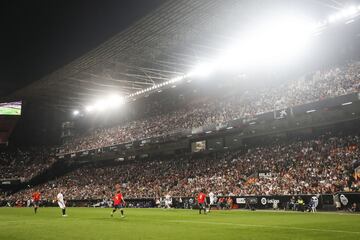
<point>24,164</point>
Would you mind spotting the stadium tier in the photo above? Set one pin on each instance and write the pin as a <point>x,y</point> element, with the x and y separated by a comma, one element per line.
<point>323,165</point>
<point>23,165</point>
<point>247,103</point>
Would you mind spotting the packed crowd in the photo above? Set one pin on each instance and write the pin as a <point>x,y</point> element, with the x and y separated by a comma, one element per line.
<point>321,165</point>
<point>215,110</point>
<point>24,164</point>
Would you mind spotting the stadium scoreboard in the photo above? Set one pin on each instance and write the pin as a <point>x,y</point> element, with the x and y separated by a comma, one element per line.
<point>10,108</point>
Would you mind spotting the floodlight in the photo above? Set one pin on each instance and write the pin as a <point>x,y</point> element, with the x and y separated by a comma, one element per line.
<point>178,78</point>
<point>276,40</point>
<point>202,70</point>
<point>76,112</point>
<point>101,105</point>
<point>281,38</point>
<point>89,108</point>
<point>113,97</point>
<point>115,100</point>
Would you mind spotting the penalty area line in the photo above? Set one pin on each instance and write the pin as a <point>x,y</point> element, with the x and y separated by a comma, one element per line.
<point>265,226</point>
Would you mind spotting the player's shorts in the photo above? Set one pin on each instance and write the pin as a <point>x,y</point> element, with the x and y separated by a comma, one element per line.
<point>118,206</point>
<point>62,204</point>
<point>201,205</point>
<point>36,203</point>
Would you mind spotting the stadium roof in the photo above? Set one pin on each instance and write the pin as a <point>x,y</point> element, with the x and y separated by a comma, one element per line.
<point>164,44</point>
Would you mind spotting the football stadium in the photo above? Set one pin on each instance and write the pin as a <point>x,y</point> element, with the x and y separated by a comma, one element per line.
<point>180,119</point>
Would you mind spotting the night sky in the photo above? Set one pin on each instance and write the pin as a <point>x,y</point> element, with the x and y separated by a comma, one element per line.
<point>38,37</point>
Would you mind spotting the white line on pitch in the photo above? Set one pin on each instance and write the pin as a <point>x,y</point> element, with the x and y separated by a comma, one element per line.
<point>265,226</point>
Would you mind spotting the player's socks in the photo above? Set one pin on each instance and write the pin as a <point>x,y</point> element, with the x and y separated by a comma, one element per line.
<point>122,212</point>
<point>35,210</point>
<point>63,211</point>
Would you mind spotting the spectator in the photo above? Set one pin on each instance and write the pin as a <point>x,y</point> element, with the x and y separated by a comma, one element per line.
<point>317,166</point>
<point>216,110</point>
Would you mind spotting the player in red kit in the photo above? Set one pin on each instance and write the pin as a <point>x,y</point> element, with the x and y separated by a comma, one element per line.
<point>119,203</point>
<point>202,201</point>
<point>36,200</point>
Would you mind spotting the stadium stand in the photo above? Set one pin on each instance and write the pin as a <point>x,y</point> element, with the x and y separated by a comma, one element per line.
<point>320,85</point>
<point>24,164</point>
<point>320,165</point>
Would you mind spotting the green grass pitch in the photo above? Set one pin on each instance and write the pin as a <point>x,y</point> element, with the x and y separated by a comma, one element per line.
<point>90,223</point>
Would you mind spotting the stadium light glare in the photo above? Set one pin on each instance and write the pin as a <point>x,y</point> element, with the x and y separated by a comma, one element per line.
<point>115,100</point>
<point>89,108</point>
<point>350,11</point>
<point>344,14</point>
<point>202,70</point>
<point>280,39</point>
<point>178,78</point>
<point>273,41</point>
<point>76,112</point>
<point>101,105</point>
<point>156,86</point>
<point>332,18</point>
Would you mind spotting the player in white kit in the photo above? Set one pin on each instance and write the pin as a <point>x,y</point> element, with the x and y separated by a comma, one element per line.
<point>61,203</point>
<point>212,200</point>
<point>168,201</point>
